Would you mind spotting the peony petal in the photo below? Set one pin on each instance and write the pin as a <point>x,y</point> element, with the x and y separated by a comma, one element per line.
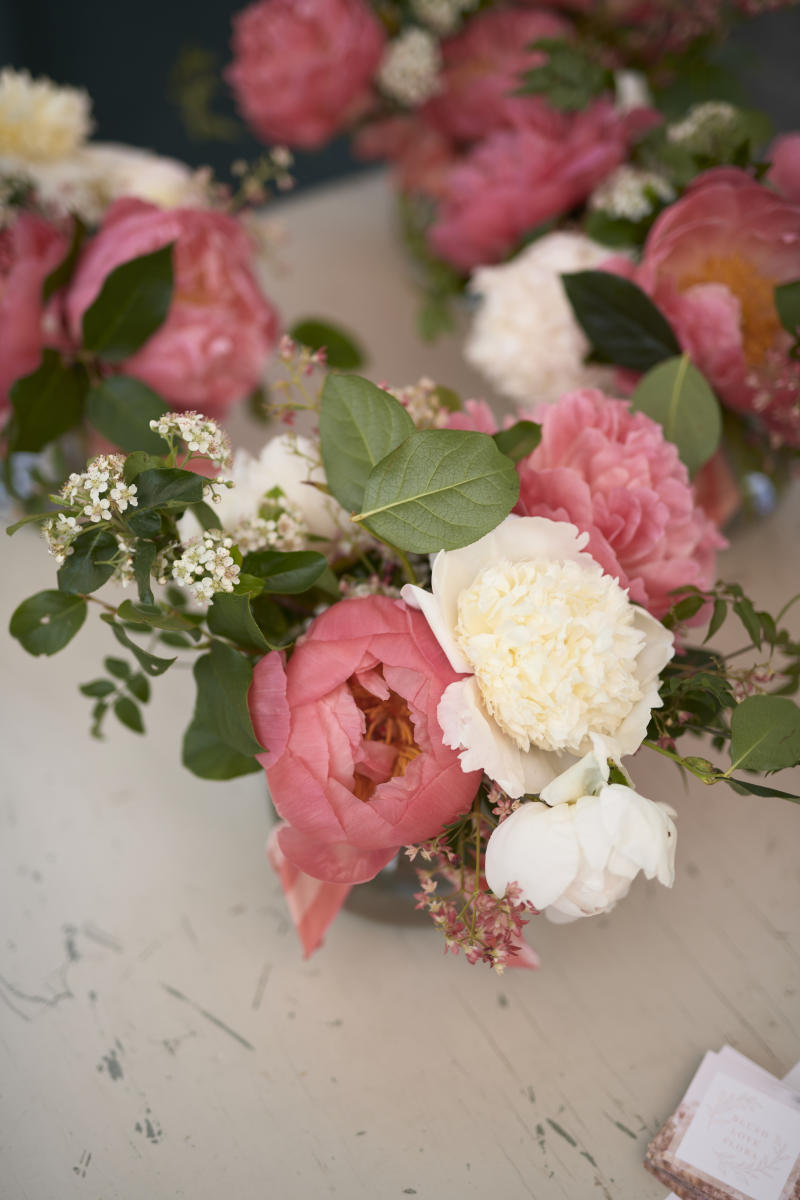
<point>332,862</point>
<point>583,778</point>
<point>536,848</point>
<point>312,904</point>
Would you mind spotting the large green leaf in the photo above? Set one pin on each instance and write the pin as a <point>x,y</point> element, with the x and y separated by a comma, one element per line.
<point>230,616</point>
<point>286,573</point>
<point>439,490</point>
<point>168,487</point>
<point>44,623</point>
<point>131,305</point>
<point>90,565</point>
<point>621,322</point>
<point>219,742</point>
<point>677,396</point>
<point>359,425</point>
<point>46,403</point>
<point>765,734</point>
<point>121,408</point>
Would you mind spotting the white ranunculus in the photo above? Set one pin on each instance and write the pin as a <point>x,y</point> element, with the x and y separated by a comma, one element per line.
<point>576,852</point>
<point>555,654</point>
<point>524,337</point>
<point>40,121</point>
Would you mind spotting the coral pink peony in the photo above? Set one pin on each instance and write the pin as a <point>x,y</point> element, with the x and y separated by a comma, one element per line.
<point>30,249</point>
<point>302,69</point>
<point>213,346</point>
<point>356,765</point>
<point>784,174</point>
<point>516,179</point>
<point>482,69</point>
<point>711,263</point>
<point>610,472</point>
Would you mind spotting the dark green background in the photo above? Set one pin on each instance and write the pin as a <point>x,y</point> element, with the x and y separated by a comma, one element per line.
<point>125,53</point>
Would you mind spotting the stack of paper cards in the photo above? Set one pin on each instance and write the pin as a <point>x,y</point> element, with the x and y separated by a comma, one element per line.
<point>734,1136</point>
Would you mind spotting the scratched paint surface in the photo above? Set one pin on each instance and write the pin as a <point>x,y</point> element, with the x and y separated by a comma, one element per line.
<point>160,1034</point>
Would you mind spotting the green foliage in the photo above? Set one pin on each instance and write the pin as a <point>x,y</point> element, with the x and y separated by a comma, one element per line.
<point>157,618</point>
<point>230,616</point>
<point>143,558</point>
<point>46,404</point>
<point>621,322</point>
<point>765,734</point>
<point>121,408</point>
<point>61,274</point>
<point>359,424</point>
<point>520,440</point>
<point>675,394</point>
<point>285,573</point>
<point>91,563</point>
<point>439,490</point>
<point>205,515</point>
<point>787,302</point>
<point>343,352</point>
<point>151,664</point>
<point>168,487</point>
<point>137,462</point>
<point>220,742</point>
<point>569,78</point>
<point>131,305</point>
<point>129,714</point>
<point>46,622</point>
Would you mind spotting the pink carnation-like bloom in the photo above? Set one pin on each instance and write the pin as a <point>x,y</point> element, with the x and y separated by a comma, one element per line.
<point>482,67</point>
<point>516,179</point>
<point>611,472</point>
<point>30,249</point>
<point>355,761</point>
<point>213,346</point>
<point>302,69</point>
<point>711,263</point>
<point>784,174</point>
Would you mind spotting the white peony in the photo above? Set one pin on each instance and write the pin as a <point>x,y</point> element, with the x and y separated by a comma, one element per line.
<point>524,337</point>
<point>40,121</point>
<point>279,483</point>
<point>576,852</point>
<point>558,660</point>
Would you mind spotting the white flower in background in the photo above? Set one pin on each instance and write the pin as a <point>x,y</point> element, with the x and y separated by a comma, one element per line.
<point>273,503</point>
<point>524,337</point>
<point>422,403</point>
<point>40,121</point>
<point>558,660</point>
<point>576,852</point>
<point>702,125</point>
<point>631,90</point>
<point>628,192</point>
<point>409,70</point>
<point>442,16</point>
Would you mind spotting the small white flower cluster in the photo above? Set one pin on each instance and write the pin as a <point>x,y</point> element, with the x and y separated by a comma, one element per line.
<point>202,436</point>
<point>278,526</point>
<point>374,586</point>
<point>206,565</point>
<point>422,403</point>
<point>702,125</point>
<point>409,71</point>
<point>40,121</point>
<point>442,16</point>
<point>100,490</point>
<point>628,192</point>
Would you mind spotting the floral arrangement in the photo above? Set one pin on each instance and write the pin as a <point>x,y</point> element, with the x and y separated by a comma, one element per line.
<point>434,636</point>
<point>534,141</point>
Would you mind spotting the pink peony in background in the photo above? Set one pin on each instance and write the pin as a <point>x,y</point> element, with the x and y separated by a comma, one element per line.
<point>302,69</point>
<point>711,263</point>
<point>30,249</point>
<point>612,473</point>
<point>784,174</point>
<point>213,346</point>
<point>355,761</point>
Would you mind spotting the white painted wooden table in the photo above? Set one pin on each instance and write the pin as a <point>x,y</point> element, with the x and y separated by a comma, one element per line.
<point>160,1035</point>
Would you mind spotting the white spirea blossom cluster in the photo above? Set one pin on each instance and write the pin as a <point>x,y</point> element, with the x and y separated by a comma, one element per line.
<point>94,495</point>
<point>278,526</point>
<point>442,16</point>
<point>702,125</point>
<point>553,647</point>
<point>629,192</point>
<point>524,337</point>
<point>206,565</point>
<point>40,121</point>
<point>421,402</point>
<point>201,436</point>
<point>409,70</point>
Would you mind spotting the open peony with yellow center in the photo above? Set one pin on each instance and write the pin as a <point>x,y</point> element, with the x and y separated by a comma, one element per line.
<point>557,658</point>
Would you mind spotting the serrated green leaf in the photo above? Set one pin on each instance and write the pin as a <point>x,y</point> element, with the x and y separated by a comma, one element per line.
<point>343,351</point>
<point>131,305</point>
<point>46,403</point>
<point>128,713</point>
<point>220,742</point>
<point>46,622</point>
<point>677,396</point>
<point>230,616</point>
<point>765,734</point>
<point>89,566</point>
<point>621,322</point>
<point>520,440</point>
<point>285,573</point>
<point>121,408</point>
<point>359,425</point>
<point>150,663</point>
<point>439,490</point>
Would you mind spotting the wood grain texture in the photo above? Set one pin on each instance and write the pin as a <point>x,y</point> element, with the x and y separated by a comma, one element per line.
<point>160,1034</point>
